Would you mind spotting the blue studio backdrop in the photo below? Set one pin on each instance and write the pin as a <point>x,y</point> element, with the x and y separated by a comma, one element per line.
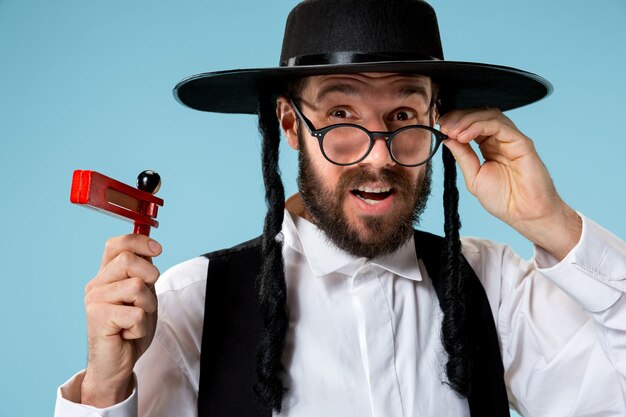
<point>87,85</point>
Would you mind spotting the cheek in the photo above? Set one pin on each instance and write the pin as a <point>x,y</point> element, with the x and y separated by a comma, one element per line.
<point>414,173</point>
<point>327,173</point>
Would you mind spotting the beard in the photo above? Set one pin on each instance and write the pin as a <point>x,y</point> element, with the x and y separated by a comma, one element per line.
<point>378,235</point>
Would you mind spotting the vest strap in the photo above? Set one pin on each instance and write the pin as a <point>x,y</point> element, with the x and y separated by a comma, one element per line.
<point>232,325</point>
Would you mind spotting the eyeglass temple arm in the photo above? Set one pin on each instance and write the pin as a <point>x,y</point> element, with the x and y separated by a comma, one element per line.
<point>302,117</point>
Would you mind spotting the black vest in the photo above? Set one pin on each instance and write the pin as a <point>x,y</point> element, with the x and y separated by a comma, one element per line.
<point>232,325</point>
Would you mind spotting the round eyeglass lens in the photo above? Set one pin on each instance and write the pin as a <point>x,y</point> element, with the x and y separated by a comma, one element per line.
<point>413,145</point>
<point>345,144</point>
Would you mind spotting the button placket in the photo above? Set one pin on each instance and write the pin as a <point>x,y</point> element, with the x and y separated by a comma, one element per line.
<point>377,340</point>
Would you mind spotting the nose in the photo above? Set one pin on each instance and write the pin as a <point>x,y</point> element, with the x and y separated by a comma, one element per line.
<point>379,156</point>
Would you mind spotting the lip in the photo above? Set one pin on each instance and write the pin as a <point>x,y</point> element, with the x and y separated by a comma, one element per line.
<point>373,209</point>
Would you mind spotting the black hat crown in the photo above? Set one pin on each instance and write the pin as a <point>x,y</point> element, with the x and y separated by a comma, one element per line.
<point>321,32</point>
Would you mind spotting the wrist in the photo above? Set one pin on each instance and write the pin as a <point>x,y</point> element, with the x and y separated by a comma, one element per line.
<point>103,395</point>
<point>557,234</point>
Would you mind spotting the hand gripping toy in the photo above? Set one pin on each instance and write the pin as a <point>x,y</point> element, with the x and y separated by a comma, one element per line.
<point>106,195</point>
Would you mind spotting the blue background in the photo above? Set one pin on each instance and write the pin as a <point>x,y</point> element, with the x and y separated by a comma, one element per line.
<point>87,85</point>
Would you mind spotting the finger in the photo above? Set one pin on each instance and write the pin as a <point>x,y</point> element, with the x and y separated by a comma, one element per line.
<point>457,121</point>
<point>467,116</point>
<point>467,159</point>
<point>484,129</point>
<point>449,120</point>
<point>110,320</point>
<point>131,291</point>
<point>135,243</point>
<point>126,265</point>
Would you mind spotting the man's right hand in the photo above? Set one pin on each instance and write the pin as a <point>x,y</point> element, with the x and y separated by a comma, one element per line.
<point>121,318</point>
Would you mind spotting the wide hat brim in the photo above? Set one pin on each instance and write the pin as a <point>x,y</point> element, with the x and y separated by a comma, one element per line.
<point>463,84</point>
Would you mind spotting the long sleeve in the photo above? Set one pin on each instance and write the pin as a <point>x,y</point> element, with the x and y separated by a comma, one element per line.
<point>173,391</point>
<point>167,374</point>
<point>68,402</point>
<point>561,324</point>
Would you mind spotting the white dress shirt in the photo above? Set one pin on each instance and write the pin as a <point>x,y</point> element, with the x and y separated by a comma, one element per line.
<point>364,335</point>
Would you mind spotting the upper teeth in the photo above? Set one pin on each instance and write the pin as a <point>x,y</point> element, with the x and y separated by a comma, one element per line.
<point>375,190</point>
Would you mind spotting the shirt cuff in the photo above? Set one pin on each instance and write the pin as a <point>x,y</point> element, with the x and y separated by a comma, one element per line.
<point>594,272</point>
<point>68,402</point>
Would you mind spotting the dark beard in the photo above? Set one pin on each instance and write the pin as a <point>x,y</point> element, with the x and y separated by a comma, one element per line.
<point>385,234</point>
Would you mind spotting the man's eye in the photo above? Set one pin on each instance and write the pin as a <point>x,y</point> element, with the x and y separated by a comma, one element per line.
<point>403,115</point>
<point>339,114</point>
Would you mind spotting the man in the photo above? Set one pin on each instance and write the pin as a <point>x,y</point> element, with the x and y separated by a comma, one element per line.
<point>353,312</point>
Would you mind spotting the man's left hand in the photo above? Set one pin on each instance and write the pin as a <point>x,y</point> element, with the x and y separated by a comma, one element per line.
<point>511,183</point>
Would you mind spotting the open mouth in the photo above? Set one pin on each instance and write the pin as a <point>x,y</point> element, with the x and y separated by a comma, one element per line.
<point>372,196</point>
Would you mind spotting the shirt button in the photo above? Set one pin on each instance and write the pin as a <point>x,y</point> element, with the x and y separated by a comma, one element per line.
<point>362,276</point>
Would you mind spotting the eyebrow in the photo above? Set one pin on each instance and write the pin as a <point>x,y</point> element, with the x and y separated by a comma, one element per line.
<point>341,88</point>
<point>418,90</point>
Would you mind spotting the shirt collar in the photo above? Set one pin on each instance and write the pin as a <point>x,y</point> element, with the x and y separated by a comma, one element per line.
<point>324,257</point>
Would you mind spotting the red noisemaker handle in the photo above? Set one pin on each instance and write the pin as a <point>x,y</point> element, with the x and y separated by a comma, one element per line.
<point>106,195</point>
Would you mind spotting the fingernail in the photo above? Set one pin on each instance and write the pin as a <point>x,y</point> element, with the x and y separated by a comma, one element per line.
<point>154,246</point>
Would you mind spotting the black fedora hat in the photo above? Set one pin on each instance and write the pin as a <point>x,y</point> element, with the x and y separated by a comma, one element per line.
<point>356,36</point>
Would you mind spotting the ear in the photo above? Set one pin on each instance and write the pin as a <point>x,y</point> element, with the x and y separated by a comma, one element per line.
<point>288,121</point>
<point>434,116</point>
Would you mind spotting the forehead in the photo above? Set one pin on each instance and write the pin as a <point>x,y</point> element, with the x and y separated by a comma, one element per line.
<point>364,85</point>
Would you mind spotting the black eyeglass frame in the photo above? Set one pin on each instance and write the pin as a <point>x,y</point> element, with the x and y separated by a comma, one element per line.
<point>320,133</point>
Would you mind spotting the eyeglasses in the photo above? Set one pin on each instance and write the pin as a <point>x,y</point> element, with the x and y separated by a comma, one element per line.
<point>349,144</point>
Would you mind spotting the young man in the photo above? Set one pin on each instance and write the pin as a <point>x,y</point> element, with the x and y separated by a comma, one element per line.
<point>341,308</point>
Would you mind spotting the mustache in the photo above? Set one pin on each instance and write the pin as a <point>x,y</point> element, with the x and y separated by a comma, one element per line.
<point>356,176</point>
